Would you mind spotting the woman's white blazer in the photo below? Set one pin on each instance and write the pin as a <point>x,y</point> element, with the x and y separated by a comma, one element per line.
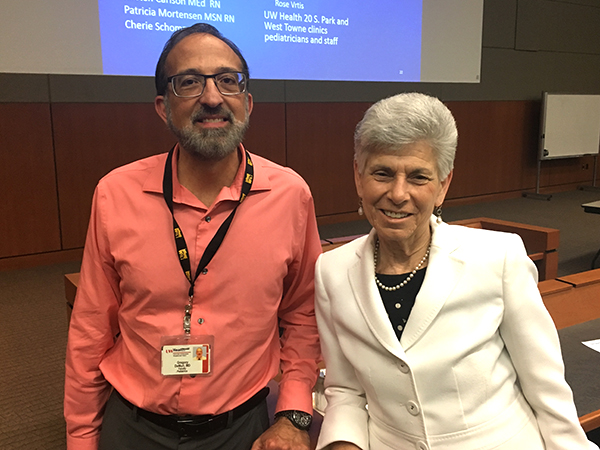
<point>478,365</point>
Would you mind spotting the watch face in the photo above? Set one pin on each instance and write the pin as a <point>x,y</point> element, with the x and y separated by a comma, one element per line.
<point>302,419</point>
<point>299,419</point>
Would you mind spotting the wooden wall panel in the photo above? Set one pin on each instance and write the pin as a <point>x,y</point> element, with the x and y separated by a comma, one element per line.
<point>92,139</point>
<point>497,147</point>
<point>266,135</point>
<point>320,147</point>
<point>566,171</point>
<point>28,209</point>
<point>497,156</point>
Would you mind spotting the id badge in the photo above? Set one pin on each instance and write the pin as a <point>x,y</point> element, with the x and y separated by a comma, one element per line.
<point>186,355</point>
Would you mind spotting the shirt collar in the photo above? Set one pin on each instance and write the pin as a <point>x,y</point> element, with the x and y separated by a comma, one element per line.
<point>154,180</point>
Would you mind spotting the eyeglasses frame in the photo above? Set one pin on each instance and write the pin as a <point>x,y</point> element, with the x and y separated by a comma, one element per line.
<point>206,78</point>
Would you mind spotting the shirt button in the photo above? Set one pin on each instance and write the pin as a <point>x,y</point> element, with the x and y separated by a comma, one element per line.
<point>403,367</point>
<point>413,408</point>
<point>204,271</point>
<point>398,305</point>
<point>207,218</point>
<point>400,327</point>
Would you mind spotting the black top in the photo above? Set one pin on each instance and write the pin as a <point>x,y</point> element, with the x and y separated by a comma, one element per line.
<point>400,302</point>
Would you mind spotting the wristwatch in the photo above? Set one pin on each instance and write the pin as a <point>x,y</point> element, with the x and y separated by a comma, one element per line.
<point>299,419</point>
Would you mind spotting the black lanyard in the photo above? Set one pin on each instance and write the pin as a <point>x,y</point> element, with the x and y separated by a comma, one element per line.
<point>216,241</point>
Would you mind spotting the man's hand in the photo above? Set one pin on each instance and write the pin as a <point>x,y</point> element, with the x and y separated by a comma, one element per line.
<point>282,435</point>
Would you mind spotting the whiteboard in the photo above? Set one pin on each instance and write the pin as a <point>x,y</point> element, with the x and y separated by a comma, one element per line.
<point>570,125</point>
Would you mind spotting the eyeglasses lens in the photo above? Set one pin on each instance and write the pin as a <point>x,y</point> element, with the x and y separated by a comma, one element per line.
<point>192,85</point>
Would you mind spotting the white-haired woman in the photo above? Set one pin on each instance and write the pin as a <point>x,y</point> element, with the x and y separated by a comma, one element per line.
<point>434,336</point>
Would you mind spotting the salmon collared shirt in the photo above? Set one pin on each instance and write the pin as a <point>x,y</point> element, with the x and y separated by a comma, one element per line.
<point>132,291</point>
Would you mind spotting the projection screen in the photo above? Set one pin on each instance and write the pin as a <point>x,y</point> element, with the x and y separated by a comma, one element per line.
<point>384,40</point>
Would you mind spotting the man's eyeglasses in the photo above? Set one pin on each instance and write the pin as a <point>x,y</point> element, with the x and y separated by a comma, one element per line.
<point>192,84</point>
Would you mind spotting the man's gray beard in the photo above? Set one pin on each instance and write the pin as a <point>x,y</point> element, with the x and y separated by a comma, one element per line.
<point>211,144</point>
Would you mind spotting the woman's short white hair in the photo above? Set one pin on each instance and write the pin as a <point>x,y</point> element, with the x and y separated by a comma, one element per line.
<point>405,119</point>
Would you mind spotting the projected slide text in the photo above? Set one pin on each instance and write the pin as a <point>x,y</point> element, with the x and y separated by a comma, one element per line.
<point>280,39</point>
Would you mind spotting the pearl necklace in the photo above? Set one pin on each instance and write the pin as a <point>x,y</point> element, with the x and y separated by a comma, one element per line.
<point>405,282</point>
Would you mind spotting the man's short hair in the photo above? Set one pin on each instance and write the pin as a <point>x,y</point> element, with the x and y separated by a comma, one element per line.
<point>160,77</point>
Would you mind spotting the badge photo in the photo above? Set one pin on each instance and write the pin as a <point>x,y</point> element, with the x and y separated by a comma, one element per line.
<point>186,355</point>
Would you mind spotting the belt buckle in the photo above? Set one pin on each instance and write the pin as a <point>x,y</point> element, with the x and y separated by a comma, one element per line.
<point>188,427</point>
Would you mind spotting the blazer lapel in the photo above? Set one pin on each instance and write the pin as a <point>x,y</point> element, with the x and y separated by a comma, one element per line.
<point>443,273</point>
<point>361,278</point>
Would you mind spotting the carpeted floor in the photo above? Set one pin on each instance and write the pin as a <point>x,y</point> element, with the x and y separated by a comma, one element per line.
<point>34,326</point>
<point>33,335</point>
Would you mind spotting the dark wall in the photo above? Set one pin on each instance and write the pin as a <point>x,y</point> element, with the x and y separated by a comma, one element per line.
<point>60,133</point>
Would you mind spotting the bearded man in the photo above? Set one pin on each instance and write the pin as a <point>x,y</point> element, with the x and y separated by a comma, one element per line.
<point>176,265</point>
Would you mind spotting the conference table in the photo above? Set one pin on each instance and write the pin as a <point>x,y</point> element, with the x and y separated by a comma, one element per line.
<point>582,370</point>
<point>593,208</point>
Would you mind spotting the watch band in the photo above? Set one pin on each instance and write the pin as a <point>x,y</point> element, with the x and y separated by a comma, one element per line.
<point>299,419</point>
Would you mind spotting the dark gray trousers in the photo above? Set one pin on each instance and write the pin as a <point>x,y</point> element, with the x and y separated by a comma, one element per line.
<point>123,429</point>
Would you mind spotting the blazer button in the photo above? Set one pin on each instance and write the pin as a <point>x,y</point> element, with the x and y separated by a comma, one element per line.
<point>413,408</point>
<point>403,367</point>
<point>422,446</point>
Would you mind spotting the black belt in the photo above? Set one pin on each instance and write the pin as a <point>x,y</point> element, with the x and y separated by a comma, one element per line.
<point>199,425</point>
